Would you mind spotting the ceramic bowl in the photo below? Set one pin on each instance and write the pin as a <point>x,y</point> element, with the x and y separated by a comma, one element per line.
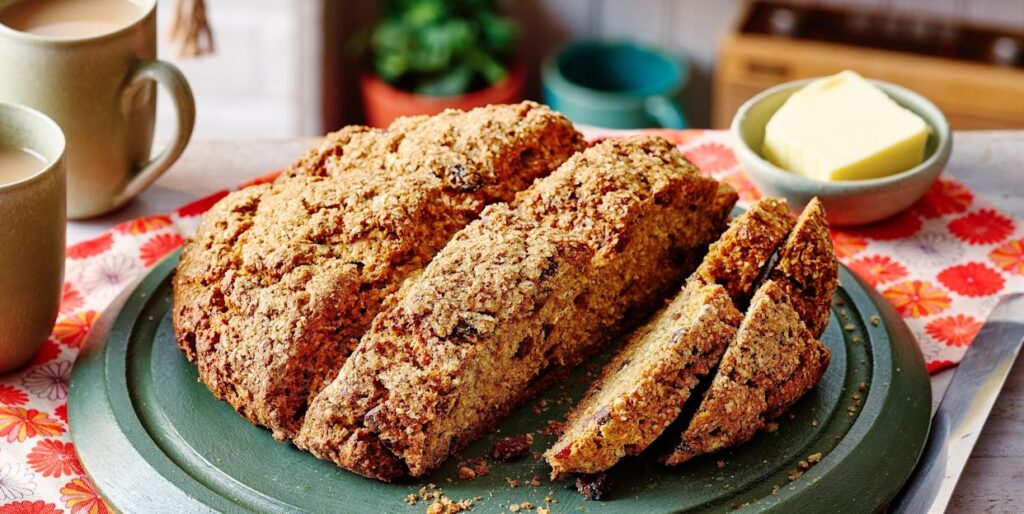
<point>854,202</point>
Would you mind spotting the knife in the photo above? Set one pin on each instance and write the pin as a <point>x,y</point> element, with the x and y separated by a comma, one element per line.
<point>962,413</point>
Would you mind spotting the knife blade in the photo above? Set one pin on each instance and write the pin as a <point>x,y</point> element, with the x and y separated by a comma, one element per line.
<point>962,413</point>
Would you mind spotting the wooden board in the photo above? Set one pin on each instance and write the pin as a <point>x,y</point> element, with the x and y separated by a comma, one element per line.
<point>153,439</point>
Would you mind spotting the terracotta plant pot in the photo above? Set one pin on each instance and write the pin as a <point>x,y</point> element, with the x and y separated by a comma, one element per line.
<point>383,102</point>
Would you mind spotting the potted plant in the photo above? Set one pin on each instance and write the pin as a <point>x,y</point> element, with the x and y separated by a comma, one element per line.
<point>430,55</point>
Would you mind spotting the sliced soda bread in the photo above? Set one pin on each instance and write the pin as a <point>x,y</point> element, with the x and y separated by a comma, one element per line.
<point>776,356</point>
<point>470,338</point>
<point>643,389</point>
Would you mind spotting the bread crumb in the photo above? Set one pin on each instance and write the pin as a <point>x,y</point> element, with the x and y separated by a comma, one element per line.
<point>554,428</point>
<point>512,448</point>
<point>814,458</point>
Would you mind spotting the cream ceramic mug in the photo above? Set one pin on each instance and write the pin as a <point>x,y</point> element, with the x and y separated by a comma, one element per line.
<point>101,90</point>
<point>32,224</point>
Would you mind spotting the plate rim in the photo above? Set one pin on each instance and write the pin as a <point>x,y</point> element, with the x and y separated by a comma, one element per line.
<point>137,484</point>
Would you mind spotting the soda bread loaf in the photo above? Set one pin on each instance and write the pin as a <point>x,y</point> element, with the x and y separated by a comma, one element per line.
<point>776,356</point>
<point>643,389</point>
<point>492,316</point>
<point>281,280</point>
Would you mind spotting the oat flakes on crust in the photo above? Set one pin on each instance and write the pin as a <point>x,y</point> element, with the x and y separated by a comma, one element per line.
<point>808,269</point>
<point>281,280</point>
<point>737,259</point>
<point>773,361</point>
<point>643,213</point>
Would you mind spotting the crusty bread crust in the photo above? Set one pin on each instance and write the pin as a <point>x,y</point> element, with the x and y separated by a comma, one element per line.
<point>281,280</point>
<point>635,204</point>
<point>808,269</point>
<point>738,258</point>
<point>773,361</point>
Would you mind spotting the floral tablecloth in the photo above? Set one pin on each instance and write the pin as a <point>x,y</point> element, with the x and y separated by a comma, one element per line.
<point>943,265</point>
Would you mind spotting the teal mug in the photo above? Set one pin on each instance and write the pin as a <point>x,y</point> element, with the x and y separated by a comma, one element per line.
<point>615,85</point>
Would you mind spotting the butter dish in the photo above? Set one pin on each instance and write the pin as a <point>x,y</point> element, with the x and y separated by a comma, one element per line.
<point>848,202</point>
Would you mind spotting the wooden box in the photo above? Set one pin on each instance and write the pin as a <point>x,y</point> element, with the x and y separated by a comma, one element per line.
<point>977,86</point>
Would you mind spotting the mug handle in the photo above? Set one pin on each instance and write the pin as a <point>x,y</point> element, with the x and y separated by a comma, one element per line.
<point>666,112</point>
<point>168,76</point>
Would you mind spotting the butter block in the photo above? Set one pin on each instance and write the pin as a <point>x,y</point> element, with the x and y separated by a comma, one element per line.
<point>843,127</point>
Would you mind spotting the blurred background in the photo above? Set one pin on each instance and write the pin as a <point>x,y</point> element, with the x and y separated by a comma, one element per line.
<point>285,68</point>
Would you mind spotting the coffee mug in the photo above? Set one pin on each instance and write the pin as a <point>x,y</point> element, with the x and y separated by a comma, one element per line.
<point>615,85</point>
<point>32,220</point>
<point>100,89</point>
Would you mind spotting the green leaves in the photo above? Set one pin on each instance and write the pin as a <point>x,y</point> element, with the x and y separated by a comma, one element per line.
<point>442,47</point>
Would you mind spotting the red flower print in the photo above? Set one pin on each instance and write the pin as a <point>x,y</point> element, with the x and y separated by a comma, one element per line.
<point>846,244</point>
<point>982,227</point>
<point>898,226</point>
<point>144,224</point>
<point>972,279</point>
<point>958,330</point>
<point>18,424</point>
<point>70,299</point>
<point>744,188</point>
<point>1010,257</point>
<point>72,330</point>
<point>265,179</point>
<point>878,269</point>
<point>937,366</point>
<point>49,351</point>
<point>201,205</point>
<point>53,458</point>
<point>10,395</point>
<point>29,507</point>
<point>62,412</point>
<point>90,247</point>
<point>944,197</point>
<point>157,247</point>
<point>711,157</point>
<point>917,298</point>
<point>80,496</point>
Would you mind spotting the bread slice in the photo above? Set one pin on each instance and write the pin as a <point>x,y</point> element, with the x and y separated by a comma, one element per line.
<point>808,269</point>
<point>773,361</point>
<point>480,329</point>
<point>776,357</point>
<point>281,280</point>
<point>643,389</point>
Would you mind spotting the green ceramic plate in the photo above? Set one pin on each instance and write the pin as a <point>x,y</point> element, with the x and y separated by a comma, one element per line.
<point>153,439</point>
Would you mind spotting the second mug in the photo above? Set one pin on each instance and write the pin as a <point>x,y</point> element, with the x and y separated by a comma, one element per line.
<point>98,85</point>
